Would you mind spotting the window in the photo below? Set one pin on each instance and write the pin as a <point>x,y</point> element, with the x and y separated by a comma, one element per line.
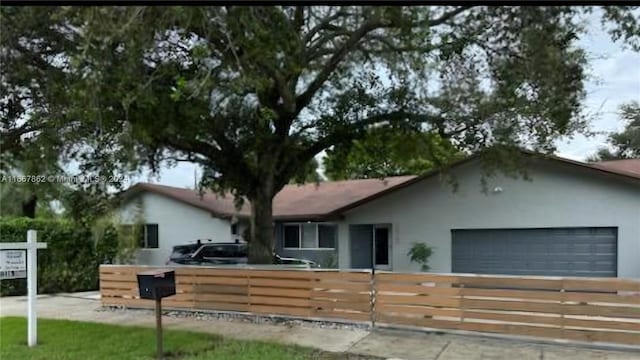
<point>310,236</point>
<point>292,236</point>
<point>151,236</point>
<point>327,236</point>
<point>146,235</point>
<point>234,229</point>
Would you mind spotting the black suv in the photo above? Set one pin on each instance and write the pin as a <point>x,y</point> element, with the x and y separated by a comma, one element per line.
<point>222,254</point>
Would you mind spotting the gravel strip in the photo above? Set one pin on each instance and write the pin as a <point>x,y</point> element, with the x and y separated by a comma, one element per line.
<point>247,318</point>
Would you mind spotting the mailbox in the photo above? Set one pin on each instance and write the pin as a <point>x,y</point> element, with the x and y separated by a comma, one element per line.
<point>157,284</point>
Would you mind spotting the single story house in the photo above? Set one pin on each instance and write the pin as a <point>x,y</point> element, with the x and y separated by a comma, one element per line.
<point>568,218</point>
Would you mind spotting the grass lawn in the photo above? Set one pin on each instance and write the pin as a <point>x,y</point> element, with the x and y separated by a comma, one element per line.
<point>60,339</point>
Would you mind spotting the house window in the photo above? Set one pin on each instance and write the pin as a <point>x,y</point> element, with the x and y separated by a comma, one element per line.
<point>310,236</point>
<point>151,236</point>
<point>234,229</point>
<point>327,235</point>
<point>292,236</point>
<point>146,235</point>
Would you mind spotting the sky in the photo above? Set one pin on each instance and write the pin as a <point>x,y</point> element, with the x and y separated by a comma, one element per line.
<point>614,79</point>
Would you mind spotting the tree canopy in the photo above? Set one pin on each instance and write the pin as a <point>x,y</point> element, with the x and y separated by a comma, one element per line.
<point>254,93</point>
<point>626,143</point>
<point>384,152</point>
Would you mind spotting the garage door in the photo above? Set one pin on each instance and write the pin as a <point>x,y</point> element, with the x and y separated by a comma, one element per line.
<point>553,251</point>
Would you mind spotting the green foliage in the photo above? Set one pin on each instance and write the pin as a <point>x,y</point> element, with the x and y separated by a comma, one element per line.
<point>625,144</point>
<point>420,253</point>
<point>387,152</point>
<point>308,174</point>
<point>68,263</point>
<point>330,262</point>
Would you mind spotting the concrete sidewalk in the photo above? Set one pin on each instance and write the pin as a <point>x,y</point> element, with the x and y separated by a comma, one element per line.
<point>394,344</point>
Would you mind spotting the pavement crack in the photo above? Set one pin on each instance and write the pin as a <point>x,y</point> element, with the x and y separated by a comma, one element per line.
<point>442,350</point>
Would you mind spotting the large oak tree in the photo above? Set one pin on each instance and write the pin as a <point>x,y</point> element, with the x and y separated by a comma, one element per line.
<point>254,93</point>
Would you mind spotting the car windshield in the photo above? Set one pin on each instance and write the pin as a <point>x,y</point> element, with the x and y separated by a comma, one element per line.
<point>183,250</point>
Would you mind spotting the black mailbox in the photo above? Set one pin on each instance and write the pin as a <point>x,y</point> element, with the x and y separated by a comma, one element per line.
<point>157,284</point>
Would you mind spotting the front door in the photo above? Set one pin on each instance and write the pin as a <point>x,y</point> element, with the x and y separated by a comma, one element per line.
<point>370,245</point>
<point>381,247</point>
<point>361,239</point>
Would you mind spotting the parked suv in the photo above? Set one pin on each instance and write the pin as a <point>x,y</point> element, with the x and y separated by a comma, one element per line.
<point>222,253</point>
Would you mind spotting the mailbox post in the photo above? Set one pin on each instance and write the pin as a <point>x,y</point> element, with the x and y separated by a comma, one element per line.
<point>155,285</point>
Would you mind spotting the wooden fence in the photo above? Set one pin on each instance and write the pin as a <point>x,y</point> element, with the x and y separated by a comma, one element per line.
<point>305,293</point>
<point>584,309</point>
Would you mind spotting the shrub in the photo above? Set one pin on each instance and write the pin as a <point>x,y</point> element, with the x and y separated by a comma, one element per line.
<point>68,264</point>
<point>420,253</point>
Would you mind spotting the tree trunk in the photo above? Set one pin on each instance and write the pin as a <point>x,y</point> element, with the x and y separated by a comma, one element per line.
<point>29,207</point>
<point>261,243</point>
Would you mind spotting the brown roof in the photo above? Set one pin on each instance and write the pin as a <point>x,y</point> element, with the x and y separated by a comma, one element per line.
<point>630,166</point>
<point>308,201</point>
<point>331,198</point>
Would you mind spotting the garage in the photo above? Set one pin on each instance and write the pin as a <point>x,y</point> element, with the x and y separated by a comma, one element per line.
<point>584,251</point>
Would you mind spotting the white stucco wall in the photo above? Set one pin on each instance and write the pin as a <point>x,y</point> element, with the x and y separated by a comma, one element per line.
<point>557,196</point>
<point>178,224</point>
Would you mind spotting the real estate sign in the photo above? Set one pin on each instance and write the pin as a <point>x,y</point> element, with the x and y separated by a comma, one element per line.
<point>13,264</point>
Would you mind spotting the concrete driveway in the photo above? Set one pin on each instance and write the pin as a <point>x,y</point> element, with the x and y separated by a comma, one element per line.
<point>386,344</point>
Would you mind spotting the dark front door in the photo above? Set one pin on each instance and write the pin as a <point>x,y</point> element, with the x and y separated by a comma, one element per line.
<point>381,248</point>
<point>361,237</point>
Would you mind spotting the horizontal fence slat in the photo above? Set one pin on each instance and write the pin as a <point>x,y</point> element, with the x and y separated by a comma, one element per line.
<point>277,283</point>
<point>417,289</point>
<point>418,300</point>
<point>280,310</point>
<point>212,305</point>
<point>591,297</point>
<point>608,284</point>
<point>346,296</point>
<point>279,301</point>
<point>602,310</point>
<point>513,317</point>
<point>286,293</point>
<point>222,298</point>
<point>476,304</point>
<point>352,286</point>
<point>417,310</point>
<point>499,282</point>
<point>415,278</point>
<point>282,274</point>
<point>341,315</point>
<point>512,294</point>
<point>602,336</point>
<point>219,280</point>
<point>325,304</point>
<point>602,323</point>
<point>343,276</point>
<point>220,289</point>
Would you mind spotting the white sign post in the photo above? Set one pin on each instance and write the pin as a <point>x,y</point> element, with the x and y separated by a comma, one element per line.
<point>12,266</point>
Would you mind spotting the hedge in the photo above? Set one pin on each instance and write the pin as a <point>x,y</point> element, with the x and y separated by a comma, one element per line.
<point>68,264</point>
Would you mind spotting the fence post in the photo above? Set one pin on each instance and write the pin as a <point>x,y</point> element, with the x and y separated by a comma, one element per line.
<point>462,307</point>
<point>372,298</point>
<point>562,307</point>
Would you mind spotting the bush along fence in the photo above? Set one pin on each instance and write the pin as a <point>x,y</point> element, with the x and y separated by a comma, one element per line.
<point>583,309</point>
<point>70,262</point>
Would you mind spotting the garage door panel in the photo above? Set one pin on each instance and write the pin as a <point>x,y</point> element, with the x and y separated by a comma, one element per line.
<point>551,251</point>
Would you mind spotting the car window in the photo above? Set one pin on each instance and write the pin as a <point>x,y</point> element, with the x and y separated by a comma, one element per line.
<point>231,250</point>
<point>180,251</point>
